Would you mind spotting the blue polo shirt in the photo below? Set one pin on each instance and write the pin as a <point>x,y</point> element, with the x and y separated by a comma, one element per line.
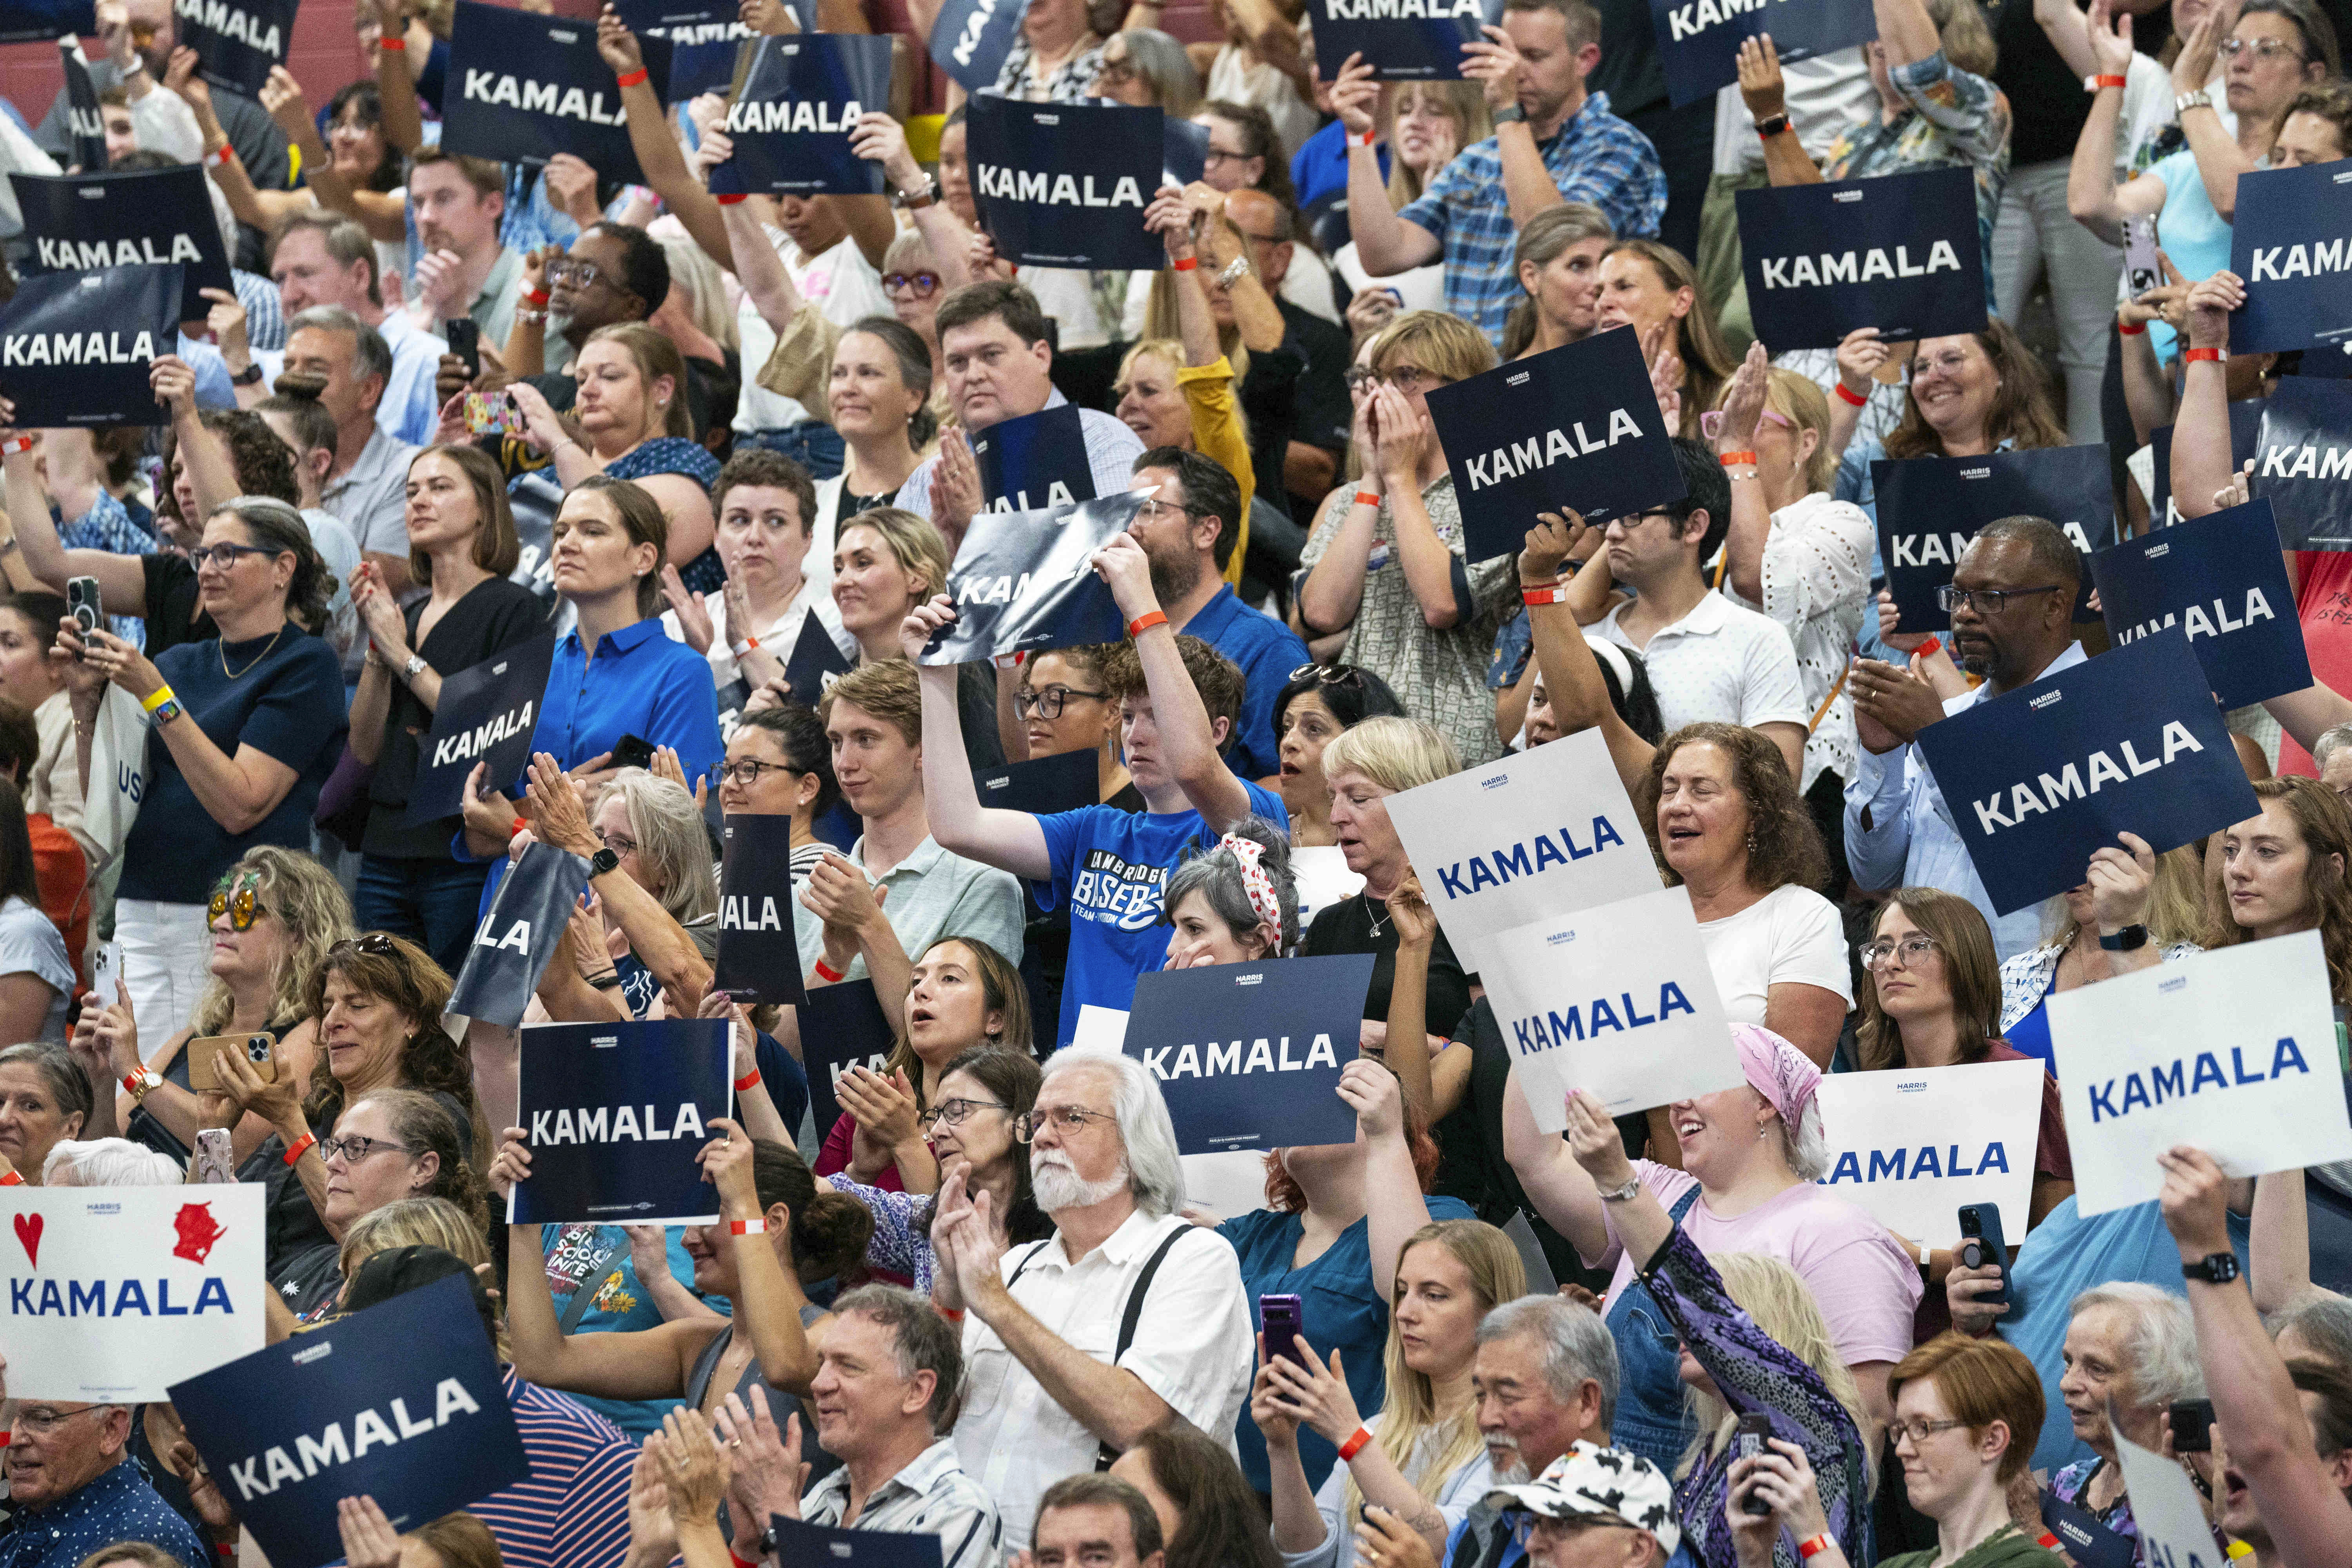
<point>1319,168</point>
<point>1267,651</point>
<point>641,682</point>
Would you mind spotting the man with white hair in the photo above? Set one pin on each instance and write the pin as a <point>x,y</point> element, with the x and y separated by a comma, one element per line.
<point>73,1488</point>
<point>1126,1318</point>
<point>108,1162</point>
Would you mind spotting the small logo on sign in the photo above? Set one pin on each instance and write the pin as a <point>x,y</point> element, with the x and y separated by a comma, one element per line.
<point>563,34</point>
<point>1976,473</point>
<point>1496,782</point>
<point>999,783</point>
<point>1914,1086</point>
<point>604,1041</point>
<point>91,193</point>
<point>2044,700</point>
<point>500,669</point>
<point>2158,553</point>
<point>1556,937</point>
<point>309,1353</point>
<point>1048,119</point>
<point>1846,196</point>
<point>1249,979</point>
<point>2166,988</point>
<point>1518,379</point>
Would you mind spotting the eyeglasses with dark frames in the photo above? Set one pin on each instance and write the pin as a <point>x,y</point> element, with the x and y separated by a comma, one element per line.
<point>357,1147</point>
<point>1983,601</point>
<point>923,284</point>
<point>746,771</point>
<point>619,843</point>
<point>1049,702</point>
<point>953,1112</point>
<point>223,556</point>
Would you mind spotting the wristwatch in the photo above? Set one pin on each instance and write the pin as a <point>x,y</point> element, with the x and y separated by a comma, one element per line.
<point>414,668</point>
<point>1235,271</point>
<point>2130,939</point>
<point>2216,1268</point>
<point>918,200</point>
<point>603,861</point>
<point>1771,125</point>
<point>1510,114</point>
<point>2201,98</point>
<point>248,376</point>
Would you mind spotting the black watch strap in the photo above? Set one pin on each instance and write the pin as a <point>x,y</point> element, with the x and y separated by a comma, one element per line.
<point>2130,939</point>
<point>1772,125</point>
<point>603,861</point>
<point>2214,1269</point>
<point>248,376</point>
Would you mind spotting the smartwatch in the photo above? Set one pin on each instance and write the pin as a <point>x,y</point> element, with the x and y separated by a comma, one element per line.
<point>2216,1268</point>
<point>1771,125</point>
<point>1510,114</point>
<point>165,711</point>
<point>2130,939</point>
<point>603,861</point>
<point>248,376</point>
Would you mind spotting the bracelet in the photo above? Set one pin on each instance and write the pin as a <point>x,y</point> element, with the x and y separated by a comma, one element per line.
<point>156,699</point>
<point>224,1550</point>
<point>537,297</point>
<point>1366,499</point>
<point>522,313</point>
<point>952,1314</point>
<point>15,444</point>
<point>1185,264</point>
<point>397,45</point>
<point>2047,1542</point>
<point>141,1083</point>
<point>1813,1548</point>
<point>729,199</point>
<point>2216,355</point>
<point>1858,402</point>
<point>604,980</point>
<point>2136,331</point>
<point>828,973</point>
<point>747,1227</point>
<point>227,154</point>
<point>748,1082</point>
<point>1734,459</point>
<point>1354,1445</point>
<point>1146,622</point>
<point>519,826</point>
<point>1552,595</point>
<point>301,1146</point>
<point>632,78</point>
<point>1931,648</point>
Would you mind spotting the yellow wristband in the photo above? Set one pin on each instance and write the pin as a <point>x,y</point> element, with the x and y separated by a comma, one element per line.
<point>156,699</point>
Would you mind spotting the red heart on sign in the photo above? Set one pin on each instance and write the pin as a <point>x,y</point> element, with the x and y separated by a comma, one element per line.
<point>29,1231</point>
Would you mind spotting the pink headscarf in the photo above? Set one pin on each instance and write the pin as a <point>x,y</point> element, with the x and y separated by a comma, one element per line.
<point>1778,1071</point>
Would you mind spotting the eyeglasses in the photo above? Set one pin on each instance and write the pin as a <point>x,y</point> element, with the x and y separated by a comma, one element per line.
<point>1115,71</point>
<point>1710,424</point>
<point>573,273</point>
<point>953,1112</point>
<point>1914,950</point>
<point>1404,378</point>
<point>1050,702</point>
<point>1153,506</point>
<point>1215,156</point>
<point>1068,1120</point>
<point>33,1419</point>
<point>357,1147</point>
<point>924,284</point>
<point>620,844</point>
<point>1983,600</point>
<point>374,944</point>
<point>223,556</point>
<point>2264,49</point>
<point>745,771</point>
<point>1525,1527</point>
<point>240,901</point>
<point>1918,1429</point>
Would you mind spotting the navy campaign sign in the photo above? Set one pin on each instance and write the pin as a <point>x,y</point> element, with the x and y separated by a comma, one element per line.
<point>1930,507</point>
<point>2220,579</point>
<point>150,217</point>
<point>85,122</point>
<point>799,1542</point>
<point>1899,253</point>
<point>2245,429</point>
<point>1248,1056</point>
<point>1575,428</point>
<point>791,123</point>
<point>1034,460</point>
<point>1183,151</point>
<point>237,41</point>
<point>1065,184</point>
<point>524,88</point>
<point>27,21</point>
<point>488,713</point>
<point>515,940</point>
<point>1023,582</point>
<point>1404,40</point>
<point>757,958</point>
<point>402,1402</point>
<point>842,1027</point>
<point>816,661</point>
<point>972,38</point>
<point>2129,742</point>
<point>2291,240</point>
<point>2303,461</point>
<point>76,348</point>
<point>1699,39</point>
<point>613,1114</point>
<point>1043,785</point>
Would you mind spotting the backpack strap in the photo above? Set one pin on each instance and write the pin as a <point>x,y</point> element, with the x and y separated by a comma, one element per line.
<point>1105,1456</point>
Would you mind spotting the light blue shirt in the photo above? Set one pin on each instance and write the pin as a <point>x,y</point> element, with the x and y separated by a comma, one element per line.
<point>1899,831</point>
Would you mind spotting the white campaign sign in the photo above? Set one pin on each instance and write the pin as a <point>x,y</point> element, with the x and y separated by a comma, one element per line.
<point>1541,834</point>
<point>1911,1147</point>
<point>115,1294</point>
<point>1618,999</point>
<point>2231,1050</point>
<point>1323,878</point>
<point>2173,1529</point>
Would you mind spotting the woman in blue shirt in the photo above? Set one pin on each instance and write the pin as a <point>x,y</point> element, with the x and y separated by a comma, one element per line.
<point>245,728</point>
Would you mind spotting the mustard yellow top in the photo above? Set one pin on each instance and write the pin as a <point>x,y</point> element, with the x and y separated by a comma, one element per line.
<point>1220,436</point>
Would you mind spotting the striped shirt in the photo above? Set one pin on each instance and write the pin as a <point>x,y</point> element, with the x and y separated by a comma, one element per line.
<point>932,1496</point>
<point>573,1510</point>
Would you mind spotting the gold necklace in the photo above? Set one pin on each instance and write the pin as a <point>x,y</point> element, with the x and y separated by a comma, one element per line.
<point>240,674</point>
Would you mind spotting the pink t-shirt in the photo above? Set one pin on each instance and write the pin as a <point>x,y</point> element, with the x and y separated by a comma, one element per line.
<point>1866,1286</point>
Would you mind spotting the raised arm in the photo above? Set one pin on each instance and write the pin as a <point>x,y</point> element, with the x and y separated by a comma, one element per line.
<point>1393,1205</point>
<point>656,149</point>
<point>1188,739</point>
<point>1571,670</point>
<point>769,1297</point>
<point>1407,1050</point>
<point>1751,515</point>
<point>121,579</point>
<point>2092,195</point>
<point>1010,840</point>
<point>1560,1190</point>
<point>1385,242</point>
<point>2202,458</point>
<point>1493,61</point>
<point>395,75</point>
<point>1765,91</point>
<point>560,819</point>
<point>1434,573</point>
<point>647,1364</point>
<point>882,140</point>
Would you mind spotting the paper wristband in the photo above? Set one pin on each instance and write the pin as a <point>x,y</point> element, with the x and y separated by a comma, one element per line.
<point>1813,1548</point>
<point>15,444</point>
<point>397,45</point>
<point>11,1178</point>
<point>155,698</point>
<point>1366,499</point>
<point>1146,622</point>
<point>2100,81</point>
<point>2216,355</point>
<point>747,1227</point>
<point>1860,401</point>
<point>1734,459</point>
<point>748,1082</point>
<point>518,825</point>
<point>1366,139</point>
<point>226,153</point>
<point>294,1155</point>
<point>1354,1445</point>
<point>1552,595</point>
<point>632,78</point>
<point>536,297</point>
<point>1931,648</point>
<point>1185,265</point>
<point>2138,329</point>
<point>828,973</point>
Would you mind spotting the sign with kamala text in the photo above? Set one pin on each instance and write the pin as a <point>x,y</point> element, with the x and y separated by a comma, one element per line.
<point>145,217</point>
<point>488,713</point>
<point>1024,581</point>
<point>85,121</point>
<point>402,1402</point>
<point>2291,242</point>
<point>516,939</point>
<point>759,958</point>
<point>116,1294</point>
<point>1899,253</point>
<point>1065,184</point>
<point>237,41</point>
<point>1912,1145</point>
<point>2303,461</point>
<point>1698,40</point>
<point>2040,777</point>
<point>972,38</point>
<point>2232,1051</point>
<point>1617,998</point>
<point>524,87</point>
<point>1575,428</point>
<point>842,1026</point>
<point>2220,579</point>
<point>77,347</point>
<point>1929,508</point>
<point>1034,460</point>
<point>1403,40</point>
<point>791,123</point>
<point>1248,1056</point>
<point>613,1114</point>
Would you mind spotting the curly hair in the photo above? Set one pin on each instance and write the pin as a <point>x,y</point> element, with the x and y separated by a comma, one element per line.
<point>1783,844</point>
<point>2325,824</point>
<point>1217,679</point>
<point>396,970</point>
<point>1283,1196</point>
<point>829,1231</point>
<point>2021,414</point>
<point>303,896</point>
<point>264,462</point>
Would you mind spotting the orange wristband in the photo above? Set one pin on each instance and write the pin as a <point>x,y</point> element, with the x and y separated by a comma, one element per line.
<point>1931,648</point>
<point>1366,499</point>
<point>294,1155</point>
<point>1354,1445</point>
<point>1365,140</point>
<point>1146,622</point>
<point>632,78</point>
<point>1734,459</point>
<point>747,1227</point>
<point>1813,1548</point>
<point>750,1081</point>
<point>227,154</point>
<point>2216,355</point>
<point>2135,331</point>
<point>11,1178</point>
<point>535,299</point>
<point>2099,81</point>
<point>1863,402</point>
<point>1552,595</point>
<point>828,973</point>
<point>397,45</point>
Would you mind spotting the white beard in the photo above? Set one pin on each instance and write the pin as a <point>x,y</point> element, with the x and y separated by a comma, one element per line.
<point>1508,1473</point>
<point>1057,1187</point>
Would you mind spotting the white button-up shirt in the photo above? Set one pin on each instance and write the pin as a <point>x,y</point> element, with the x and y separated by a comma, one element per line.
<point>1816,574</point>
<point>1193,1347</point>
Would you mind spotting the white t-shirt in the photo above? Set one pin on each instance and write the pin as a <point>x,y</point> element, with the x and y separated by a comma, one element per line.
<point>778,637</point>
<point>1722,664</point>
<point>30,945</point>
<point>1791,934</point>
<point>842,284</point>
<point>1422,288</point>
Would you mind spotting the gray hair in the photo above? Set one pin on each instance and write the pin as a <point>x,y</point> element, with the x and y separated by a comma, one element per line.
<point>1216,875</point>
<point>921,1338</point>
<point>1807,1143</point>
<point>1160,58</point>
<point>2324,1321</point>
<point>370,356</point>
<point>2162,1345</point>
<point>1577,1346</point>
<point>108,1162</point>
<point>1146,1137</point>
<point>2331,741</point>
<point>672,843</point>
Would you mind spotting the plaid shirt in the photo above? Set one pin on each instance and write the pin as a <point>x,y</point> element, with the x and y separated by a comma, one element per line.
<point>932,1496</point>
<point>1595,157</point>
<point>1955,119</point>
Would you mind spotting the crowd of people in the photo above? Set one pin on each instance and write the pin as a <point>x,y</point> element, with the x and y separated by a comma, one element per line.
<point>705,443</point>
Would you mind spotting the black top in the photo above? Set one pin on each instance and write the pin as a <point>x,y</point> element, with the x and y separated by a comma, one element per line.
<point>1269,398</point>
<point>1471,1166</point>
<point>171,610</point>
<point>1630,71</point>
<point>1326,418</point>
<point>2047,105</point>
<point>494,615</point>
<point>1347,927</point>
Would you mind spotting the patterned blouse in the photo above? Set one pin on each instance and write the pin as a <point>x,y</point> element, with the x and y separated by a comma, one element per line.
<point>1439,675</point>
<point>900,1245</point>
<point>677,454</point>
<point>1957,118</point>
<point>2026,979</point>
<point>1755,1372</point>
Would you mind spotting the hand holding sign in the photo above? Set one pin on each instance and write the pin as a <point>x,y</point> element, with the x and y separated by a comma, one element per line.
<point>1356,96</point>
<point>510,1166</point>
<point>2195,1201</point>
<point>1594,1142</point>
<point>2120,880</point>
<point>1493,62</point>
<point>726,1163</point>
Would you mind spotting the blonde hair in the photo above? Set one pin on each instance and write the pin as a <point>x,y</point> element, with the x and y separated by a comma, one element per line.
<point>914,542</point>
<point>1798,399</point>
<point>1964,36</point>
<point>303,896</point>
<point>2176,902</point>
<point>692,270</point>
<point>1396,754</point>
<point>421,1222</point>
<point>655,356</point>
<point>672,842</point>
<point>1778,1301</point>
<point>1442,344</point>
<point>1462,102</point>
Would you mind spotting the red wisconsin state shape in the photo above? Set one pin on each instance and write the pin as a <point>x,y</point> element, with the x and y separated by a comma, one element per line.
<point>28,1232</point>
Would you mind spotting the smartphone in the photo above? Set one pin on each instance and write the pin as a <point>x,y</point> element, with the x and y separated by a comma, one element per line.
<point>1282,1319</point>
<point>106,972</point>
<point>630,751</point>
<point>465,340</point>
<point>204,1055</point>
<point>2141,264</point>
<point>2191,1421</point>
<point>1981,1245</point>
<point>493,413</point>
<point>213,1161</point>
<point>81,603</point>
<point>1746,1441</point>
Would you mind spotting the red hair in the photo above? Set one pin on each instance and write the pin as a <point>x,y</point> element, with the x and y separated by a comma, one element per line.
<point>1284,1197</point>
